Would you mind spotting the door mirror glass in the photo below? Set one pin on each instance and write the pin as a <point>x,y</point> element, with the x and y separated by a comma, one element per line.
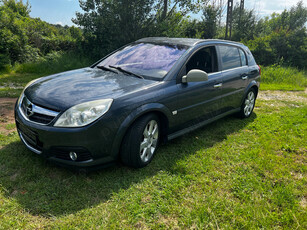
<point>195,75</point>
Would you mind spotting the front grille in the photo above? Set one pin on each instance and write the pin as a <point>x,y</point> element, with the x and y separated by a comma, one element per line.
<point>41,118</point>
<point>36,113</point>
<point>63,153</point>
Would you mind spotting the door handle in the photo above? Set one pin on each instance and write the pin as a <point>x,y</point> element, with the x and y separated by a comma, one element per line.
<point>244,77</point>
<point>218,85</point>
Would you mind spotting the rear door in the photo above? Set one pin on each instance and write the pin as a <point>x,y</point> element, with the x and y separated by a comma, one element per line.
<point>235,76</point>
<point>244,64</point>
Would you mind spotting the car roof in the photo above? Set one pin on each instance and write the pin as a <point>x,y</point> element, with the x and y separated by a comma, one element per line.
<point>185,41</point>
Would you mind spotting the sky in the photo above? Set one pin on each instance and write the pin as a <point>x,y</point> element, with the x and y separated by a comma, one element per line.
<point>55,11</point>
<point>267,7</point>
<point>62,11</point>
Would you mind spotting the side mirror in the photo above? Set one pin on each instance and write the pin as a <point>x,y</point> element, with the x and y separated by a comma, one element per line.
<point>195,75</point>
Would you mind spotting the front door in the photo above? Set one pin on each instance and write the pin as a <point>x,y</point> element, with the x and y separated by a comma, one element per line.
<point>198,101</point>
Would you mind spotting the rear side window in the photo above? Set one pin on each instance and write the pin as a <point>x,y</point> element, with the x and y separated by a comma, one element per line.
<point>243,57</point>
<point>230,57</point>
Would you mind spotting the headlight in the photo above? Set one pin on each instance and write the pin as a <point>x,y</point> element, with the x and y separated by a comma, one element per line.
<point>84,114</point>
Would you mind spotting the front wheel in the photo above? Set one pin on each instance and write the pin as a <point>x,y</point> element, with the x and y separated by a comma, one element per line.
<point>248,104</point>
<point>141,141</point>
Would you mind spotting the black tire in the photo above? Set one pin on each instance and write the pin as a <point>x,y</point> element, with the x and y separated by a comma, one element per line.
<point>131,152</point>
<point>248,104</point>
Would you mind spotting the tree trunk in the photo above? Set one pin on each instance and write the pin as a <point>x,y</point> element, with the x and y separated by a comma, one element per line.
<point>165,5</point>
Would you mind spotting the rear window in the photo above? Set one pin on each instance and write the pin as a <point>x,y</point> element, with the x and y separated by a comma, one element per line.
<point>230,57</point>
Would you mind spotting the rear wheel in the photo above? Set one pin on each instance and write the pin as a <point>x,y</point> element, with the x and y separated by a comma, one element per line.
<point>248,104</point>
<point>141,141</point>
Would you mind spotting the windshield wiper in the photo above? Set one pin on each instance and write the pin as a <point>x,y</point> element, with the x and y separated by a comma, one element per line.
<point>126,71</point>
<point>106,68</point>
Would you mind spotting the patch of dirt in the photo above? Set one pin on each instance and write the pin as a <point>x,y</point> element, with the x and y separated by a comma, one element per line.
<point>11,86</point>
<point>7,114</point>
<point>291,96</point>
<point>170,222</point>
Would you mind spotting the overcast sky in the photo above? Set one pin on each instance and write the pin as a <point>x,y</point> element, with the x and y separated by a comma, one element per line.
<point>61,11</point>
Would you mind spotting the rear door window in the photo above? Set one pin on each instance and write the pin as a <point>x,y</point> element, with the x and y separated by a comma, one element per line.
<point>250,58</point>
<point>230,57</point>
<point>243,57</point>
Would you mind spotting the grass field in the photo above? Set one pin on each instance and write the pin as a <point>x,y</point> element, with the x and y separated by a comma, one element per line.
<point>231,174</point>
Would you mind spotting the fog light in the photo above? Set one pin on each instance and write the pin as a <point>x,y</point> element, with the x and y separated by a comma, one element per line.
<point>73,156</point>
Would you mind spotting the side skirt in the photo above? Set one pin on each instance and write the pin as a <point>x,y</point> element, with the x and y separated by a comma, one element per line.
<point>196,126</point>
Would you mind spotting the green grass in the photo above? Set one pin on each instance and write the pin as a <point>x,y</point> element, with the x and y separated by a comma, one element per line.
<point>11,84</point>
<point>53,63</point>
<point>282,78</point>
<point>246,174</point>
<point>10,126</point>
<point>281,87</point>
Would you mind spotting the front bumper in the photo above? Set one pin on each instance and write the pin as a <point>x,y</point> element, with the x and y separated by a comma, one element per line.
<point>93,143</point>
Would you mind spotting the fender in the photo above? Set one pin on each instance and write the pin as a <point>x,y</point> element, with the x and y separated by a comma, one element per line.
<point>132,117</point>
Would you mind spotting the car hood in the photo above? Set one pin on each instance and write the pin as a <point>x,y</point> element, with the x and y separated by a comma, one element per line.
<point>64,90</point>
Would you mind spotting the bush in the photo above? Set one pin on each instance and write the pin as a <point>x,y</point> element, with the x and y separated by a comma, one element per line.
<point>25,39</point>
<point>5,64</point>
<point>277,74</point>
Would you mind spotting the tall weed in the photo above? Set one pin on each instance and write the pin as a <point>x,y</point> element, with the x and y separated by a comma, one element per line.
<point>277,74</point>
<point>54,62</point>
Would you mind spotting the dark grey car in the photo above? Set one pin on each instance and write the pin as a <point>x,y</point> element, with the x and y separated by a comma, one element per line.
<point>122,107</point>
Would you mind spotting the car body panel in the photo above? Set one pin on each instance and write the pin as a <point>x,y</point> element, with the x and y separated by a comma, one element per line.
<point>233,87</point>
<point>199,100</point>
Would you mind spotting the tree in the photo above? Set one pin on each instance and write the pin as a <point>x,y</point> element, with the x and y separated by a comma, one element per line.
<point>24,39</point>
<point>18,7</point>
<point>210,21</point>
<point>186,6</point>
<point>13,39</point>
<point>244,24</point>
<point>109,24</point>
<point>282,38</point>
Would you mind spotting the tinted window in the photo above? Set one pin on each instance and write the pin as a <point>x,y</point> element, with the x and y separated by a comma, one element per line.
<point>250,58</point>
<point>204,59</point>
<point>243,57</point>
<point>230,57</point>
<point>152,60</point>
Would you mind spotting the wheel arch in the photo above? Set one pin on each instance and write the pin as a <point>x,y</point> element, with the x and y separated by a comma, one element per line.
<point>160,110</point>
<point>252,85</point>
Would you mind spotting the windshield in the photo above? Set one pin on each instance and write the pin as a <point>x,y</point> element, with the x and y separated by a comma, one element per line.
<point>146,59</point>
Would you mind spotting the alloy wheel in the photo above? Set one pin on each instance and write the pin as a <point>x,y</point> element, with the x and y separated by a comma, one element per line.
<point>249,103</point>
<point>149,141</point>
